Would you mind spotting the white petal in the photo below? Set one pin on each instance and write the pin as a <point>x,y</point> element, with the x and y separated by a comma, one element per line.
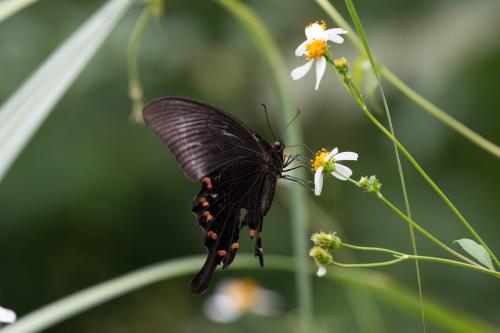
<point>321,271</point>
<point>315,31</point>
<point>346,156</point>
<point>336,31</point>
<point>320,70</point>
<point>318,181</point>
<point>299,72</point>
<point>333,35</point>
<point>7,316</point>
<point>221,308</point>
<point>332,153</point>
<point>301,49</point>
<point>342,172</point>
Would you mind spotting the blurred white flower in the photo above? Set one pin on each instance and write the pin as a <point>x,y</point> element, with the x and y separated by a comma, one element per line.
<point>232,298</point>
<point>314,48</point>
<point>326,162</point>
<point>321,270</point>
<point>7,316</point>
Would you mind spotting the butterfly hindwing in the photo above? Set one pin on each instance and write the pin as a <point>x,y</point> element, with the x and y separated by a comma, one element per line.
<point>238,170</point>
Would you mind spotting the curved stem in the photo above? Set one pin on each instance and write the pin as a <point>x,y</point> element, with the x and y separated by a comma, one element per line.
<point>386,290</point>
<point>361,32</point>
<point>370,248</point>
<point>453,263</point>
<point>370,265</point>
<point>403,256</point>
<point>299,214</point>
<point>135,89</point>
<point>423,231</point>
<point>426,105</point>
<point>354,92</point>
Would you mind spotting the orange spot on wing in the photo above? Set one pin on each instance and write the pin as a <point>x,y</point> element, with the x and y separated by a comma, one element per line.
<point>222,253</point>
<point>208,182</point>
<point>203,202</point>
<point>212,235</point>
<point>235,246</point>
<point>208,216</point>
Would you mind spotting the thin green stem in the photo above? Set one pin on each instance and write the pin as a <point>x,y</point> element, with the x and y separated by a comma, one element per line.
<point>384,288</point>
<point>453,263</point>
<point>417,226</point>
<point>361,32</point>
<point>370,265</point>
<point>426,105</point>
<point>359,99</point>
<point>423,231</point>
<point>135,89</point>
<point>404,256</point>
<point>371,248</point>
<point>299,215</point>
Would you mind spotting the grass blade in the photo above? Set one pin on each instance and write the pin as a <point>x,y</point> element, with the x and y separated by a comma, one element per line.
<point>10,7</point>
<point>364,40</point>
<point>425,104</point>
<point>23,113</point>
<point>380,285</point>
<point>298,208</point>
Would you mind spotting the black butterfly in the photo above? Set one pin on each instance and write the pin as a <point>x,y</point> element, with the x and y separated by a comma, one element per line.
<point>238,170</point>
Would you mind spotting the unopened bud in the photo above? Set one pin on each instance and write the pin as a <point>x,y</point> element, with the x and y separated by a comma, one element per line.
<point>326,240</point>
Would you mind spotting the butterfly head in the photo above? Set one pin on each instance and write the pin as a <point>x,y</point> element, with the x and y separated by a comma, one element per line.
<point>279,146</point>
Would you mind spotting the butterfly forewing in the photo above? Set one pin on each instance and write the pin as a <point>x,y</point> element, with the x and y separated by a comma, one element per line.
<point>238,170</point>
<point>201,137</point>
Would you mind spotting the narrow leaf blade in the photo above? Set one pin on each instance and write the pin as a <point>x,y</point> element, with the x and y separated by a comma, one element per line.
<point>23,113</point>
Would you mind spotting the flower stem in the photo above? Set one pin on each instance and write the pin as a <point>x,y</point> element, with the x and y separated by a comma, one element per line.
<point>426,105</point>
<point>359,99</point>
<point>403,256</point>
<point>417,226</point>
<point>370,265</point>
<point>134,83</point>
<point>423,231</point>
<point>361,33</point>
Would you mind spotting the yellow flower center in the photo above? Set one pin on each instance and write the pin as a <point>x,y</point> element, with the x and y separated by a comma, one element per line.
<point>316,49</point>
<point>321,23</point>
<point>319,160</point>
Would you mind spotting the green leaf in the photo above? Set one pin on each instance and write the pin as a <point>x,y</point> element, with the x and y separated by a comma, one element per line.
<point>477,251</point>
<point>27,108</point>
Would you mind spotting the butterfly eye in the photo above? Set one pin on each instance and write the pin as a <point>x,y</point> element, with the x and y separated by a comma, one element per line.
<point>278,145</point>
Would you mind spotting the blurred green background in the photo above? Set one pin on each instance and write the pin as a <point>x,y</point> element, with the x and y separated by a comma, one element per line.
<point>94,196</point>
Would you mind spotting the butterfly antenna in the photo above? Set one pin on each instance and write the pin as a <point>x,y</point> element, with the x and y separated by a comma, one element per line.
<point>267,119</point>
<point>291,121</point>
<point>303,146</point>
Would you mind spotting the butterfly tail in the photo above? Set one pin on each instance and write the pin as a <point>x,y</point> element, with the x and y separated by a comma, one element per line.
<point>201,281</point>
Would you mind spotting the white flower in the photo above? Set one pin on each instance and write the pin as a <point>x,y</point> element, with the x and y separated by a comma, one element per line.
<point>7,316</point>
<point>321,270</point>
<point>326,162</point>
<point>234,298</point>
<point>314,48</point>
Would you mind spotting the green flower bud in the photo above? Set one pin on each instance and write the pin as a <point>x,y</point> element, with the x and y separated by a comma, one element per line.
<point>375,185</point>
<point>321,256</point>
<point>326,240</point>
<point>364,183</point>
<point>370,184</point>
<point>341,64</point>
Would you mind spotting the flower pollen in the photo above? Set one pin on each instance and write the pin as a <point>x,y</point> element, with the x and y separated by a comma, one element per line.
<point>321,23</point>
<point>319,160</point>
<point>316,49</point>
